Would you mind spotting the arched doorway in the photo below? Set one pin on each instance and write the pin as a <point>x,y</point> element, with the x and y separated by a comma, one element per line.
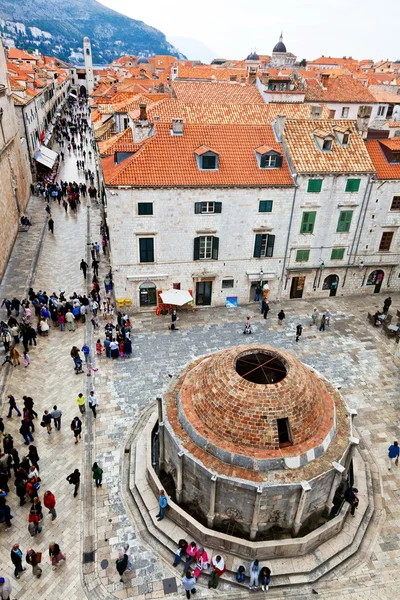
<point>376,279</point>
<point>331,283</point>
<point>82,91</point>
<point>147,294</point>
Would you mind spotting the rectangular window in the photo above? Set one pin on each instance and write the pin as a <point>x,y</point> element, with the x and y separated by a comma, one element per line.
<point>395,203</point>
<point>386,241</point>
<point>337,254</point>
<point>206,208</point>
<point>265,206</point>
<point>284,433</point>
<point>145,208</point>
<point>270,161</point>
<point>302,255</point>
<point>146,250</point>
<point>308,221</point>
<point>206,247</point>
<point>345,112</point>
<point>381,111</point>
<point>344,221</point>
<point>227,283</point>
<point>264,245</point>
<point>209,162</point>
<point>353,185</point>
<point>314,185</point>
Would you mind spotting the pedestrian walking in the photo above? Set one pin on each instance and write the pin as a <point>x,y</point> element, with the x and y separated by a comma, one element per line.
<point>5,511</point>
<point>264,308</point>
<point>217,569</point>
<point>247,327</point>
<point>393,454</point>
<point>93,403</point>
<point>27,360</point>
<point>56,414</point>
<point>50,224</point>
<point>387,304</point>
<point>351,498</point>
<point>70,319</point>
<point>97,474</point>
<point>95,267</point>
<point>25,431</point>
<point>15,356</point>
<point>75,479</point>
<point>83,267</point>
<point>81,403</point>
<point>34,559</point>
<point>34,456</point>
<point>281,317</point>
<point>189,583</point>
<point>265,578</point>
<point>315,316</point>
<point>328,316</point>
<point>16,559</point>
<point>46,421</point>
<point>162,503</point>
<point>49,501</point>
<point>76,427</point>
<point>121,565</point>
<point>56,556</point>
<point>299,331</point>
<point>323,322</point>
<point>5,588</point>
<point>13,406</point>
<point>254,574</point>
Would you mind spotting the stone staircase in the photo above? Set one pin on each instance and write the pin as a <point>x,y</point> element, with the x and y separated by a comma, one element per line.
<point>327,558</point>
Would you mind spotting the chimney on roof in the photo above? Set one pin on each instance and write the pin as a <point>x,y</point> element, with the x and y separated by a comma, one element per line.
<point>143,112</point>
<point>177,127</point>
<point>279,126</point>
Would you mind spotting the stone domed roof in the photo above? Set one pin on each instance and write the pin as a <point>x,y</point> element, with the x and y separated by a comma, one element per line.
<point>256,402</point>
<point>253,56</point>
<point>142,60</point>
<point>280,46</point>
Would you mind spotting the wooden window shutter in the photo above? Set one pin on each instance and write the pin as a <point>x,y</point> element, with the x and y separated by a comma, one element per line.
<point>270,245</point>
<point>215,247</point>
<point>197,208</point>
<point>217,207</point>
<point>196,249</point>
<point>257,246</point>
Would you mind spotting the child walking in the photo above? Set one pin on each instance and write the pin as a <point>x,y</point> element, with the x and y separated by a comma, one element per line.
<point>27,360</point>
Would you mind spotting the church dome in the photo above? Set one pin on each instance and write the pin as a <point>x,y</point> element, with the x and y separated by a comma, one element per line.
<point>280,46</point>
<point>253,56</point>
<point>142,60</point>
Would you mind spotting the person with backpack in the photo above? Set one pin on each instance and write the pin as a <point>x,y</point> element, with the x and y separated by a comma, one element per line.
<point>75,479</point>
<point>34,559</point>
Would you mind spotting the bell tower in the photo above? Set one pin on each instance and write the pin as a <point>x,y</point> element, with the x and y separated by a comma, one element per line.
<point>87,51</point>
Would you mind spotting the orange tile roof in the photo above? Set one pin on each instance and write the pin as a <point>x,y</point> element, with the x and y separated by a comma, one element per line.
<point>165,160</point>
<point>328,60</point>
<point>308,158</point>
<point>16,54</point>
<point>191,92</point>
<point>121,142</point>
<point>345,89</point>
<point>207,72</point>
<point>393,124</point>
<point>384,169</point>
<point>384,97</point>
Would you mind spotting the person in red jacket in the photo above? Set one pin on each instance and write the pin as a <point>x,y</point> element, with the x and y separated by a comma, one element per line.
<point>50,502</point>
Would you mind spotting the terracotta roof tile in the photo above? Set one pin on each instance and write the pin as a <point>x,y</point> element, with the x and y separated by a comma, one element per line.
<point>345,89</point>
<point>165,160</point>
<point>208,72</point>
<point>191,92</point>
<point>308,158</point>
<point>384,169</point>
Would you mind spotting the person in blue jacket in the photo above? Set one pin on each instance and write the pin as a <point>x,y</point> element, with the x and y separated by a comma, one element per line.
<point>393,453</point>
<point>163,503</point>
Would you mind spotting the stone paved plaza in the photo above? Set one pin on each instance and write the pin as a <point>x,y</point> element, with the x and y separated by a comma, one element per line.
<point>352,354</point>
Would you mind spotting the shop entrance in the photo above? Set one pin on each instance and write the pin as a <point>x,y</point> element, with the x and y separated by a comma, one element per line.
<point>297,287</point>
<point>376,279</point>
<point>147,294</point>
<point>331,283</point>
<point>203,293</point>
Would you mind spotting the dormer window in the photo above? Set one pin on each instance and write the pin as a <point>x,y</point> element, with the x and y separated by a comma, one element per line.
<point>324,140</point>
<point>207,159</point>
<point>342,135</point>
<point>395,157</point>
<point>268,158</point>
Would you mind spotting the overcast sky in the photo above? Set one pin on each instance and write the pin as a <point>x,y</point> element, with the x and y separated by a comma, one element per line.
<point>358,28</point>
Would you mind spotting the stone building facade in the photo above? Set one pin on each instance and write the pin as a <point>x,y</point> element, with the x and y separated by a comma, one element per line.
<point>15,176</point>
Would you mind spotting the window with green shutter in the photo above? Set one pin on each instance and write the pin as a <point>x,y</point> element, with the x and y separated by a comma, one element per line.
<point>337,253</point>
<point>302,255</point>
<point>353,185</point>
<point>314,185</point>
<point>344,220</point>
<point>145,208</point>
<point>265,206</point>
<point>307,223</point>
<point>146,250</point>
<point>264,245</point>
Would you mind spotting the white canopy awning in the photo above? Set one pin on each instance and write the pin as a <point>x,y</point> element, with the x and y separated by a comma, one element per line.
<point>177,297</point>
<point>46,157</point>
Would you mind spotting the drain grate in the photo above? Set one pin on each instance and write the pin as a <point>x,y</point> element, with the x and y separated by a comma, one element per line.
<point>169,585</point>
<point>88,557</point>
<point>104,563</point>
